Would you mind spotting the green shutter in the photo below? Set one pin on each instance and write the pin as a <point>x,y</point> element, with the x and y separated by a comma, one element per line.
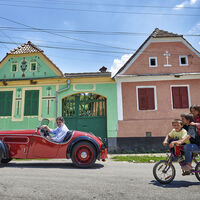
<point>31,102</point>
<point>6,103</point>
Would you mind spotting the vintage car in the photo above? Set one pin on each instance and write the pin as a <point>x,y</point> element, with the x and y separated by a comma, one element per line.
<point>83,148</point>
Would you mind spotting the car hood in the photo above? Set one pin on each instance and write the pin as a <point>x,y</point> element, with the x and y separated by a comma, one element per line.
<point>14,132</point>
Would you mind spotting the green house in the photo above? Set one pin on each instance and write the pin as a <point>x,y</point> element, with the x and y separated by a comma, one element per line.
<point>32,87</point>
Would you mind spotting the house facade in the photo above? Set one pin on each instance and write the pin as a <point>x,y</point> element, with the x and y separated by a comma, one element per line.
<point>32,87</point>
<point>157,84</point>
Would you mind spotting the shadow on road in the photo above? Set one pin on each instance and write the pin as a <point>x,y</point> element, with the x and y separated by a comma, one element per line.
<point>175,184</point>
<point>61,165</point>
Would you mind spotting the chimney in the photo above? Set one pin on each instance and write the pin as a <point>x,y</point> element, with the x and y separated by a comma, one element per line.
<point>103,69</point>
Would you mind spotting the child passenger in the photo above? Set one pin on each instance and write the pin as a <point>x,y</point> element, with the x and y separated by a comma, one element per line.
<point>192,135</point>
<point>195,111</point>
<point>177,133</point>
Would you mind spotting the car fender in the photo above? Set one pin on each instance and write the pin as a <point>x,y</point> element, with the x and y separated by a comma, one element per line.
<point>4,149</point>
<point>83,138</point>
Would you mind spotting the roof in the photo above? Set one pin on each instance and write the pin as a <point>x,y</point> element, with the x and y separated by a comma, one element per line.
<point>157,33</point>
<point>28,47</point>
<point>87,74</point>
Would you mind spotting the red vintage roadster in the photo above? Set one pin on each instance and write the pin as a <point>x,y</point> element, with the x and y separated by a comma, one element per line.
<point>83,148</point>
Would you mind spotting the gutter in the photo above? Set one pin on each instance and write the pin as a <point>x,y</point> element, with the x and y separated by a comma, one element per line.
<point>59,91</point>
<point>166,74</point>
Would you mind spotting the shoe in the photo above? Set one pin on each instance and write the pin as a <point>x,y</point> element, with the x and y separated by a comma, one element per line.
<point>187,167</point>
<point>185,173</point>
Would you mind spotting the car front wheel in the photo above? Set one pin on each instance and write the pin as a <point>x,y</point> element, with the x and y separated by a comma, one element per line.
<point>84,154</point>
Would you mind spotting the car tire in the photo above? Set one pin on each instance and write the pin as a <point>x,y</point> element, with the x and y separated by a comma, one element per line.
<point>83,154</point>
<point>1,155</point>
<point>4,161</point>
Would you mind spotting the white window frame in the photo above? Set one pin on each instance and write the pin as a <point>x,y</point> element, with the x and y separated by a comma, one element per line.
<point>189,98</point>
<point>156,65</point>
<point>183,56</point>
<point>12,66</point>
<point>35,68</point>
<point>155,97</point>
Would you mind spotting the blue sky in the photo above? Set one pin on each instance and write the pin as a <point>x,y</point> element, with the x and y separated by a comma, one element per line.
<point>84,35</point>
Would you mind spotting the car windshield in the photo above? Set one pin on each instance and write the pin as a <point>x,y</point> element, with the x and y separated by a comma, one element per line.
<point>44,122</point>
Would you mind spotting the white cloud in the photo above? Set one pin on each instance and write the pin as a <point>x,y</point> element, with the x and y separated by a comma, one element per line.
<point>180,6</point>
<point>192,2</point>
<point>118,63</point>
<point>185,3</point>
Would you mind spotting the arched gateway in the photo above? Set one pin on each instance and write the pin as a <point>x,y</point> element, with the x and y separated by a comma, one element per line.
<point>86,112</point>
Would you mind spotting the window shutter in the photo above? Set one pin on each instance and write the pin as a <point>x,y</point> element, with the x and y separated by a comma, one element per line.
<point>176,97</point>
<point>180,97</point>
<point>6,103</point>
<point>35,102</point>
<point>31,102</point>
<point>150,96</point>
<point>146,98</point>
<point>142,98</point>
<point>27,103</point>
<point>184,97</point>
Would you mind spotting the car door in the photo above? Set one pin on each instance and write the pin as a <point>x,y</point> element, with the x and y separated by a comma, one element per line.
<point>17,145</point>
<point>40,147</point>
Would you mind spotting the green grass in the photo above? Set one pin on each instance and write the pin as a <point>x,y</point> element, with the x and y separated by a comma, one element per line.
<point>141,159</point>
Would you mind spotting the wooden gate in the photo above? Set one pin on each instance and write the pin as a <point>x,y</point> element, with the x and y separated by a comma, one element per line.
<point>86,112</point>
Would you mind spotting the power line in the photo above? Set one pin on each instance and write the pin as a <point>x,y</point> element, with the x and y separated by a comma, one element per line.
<point>145,52</point>
<point>74,49</point>
<point>107,4</point>
<point>93,32</point>
<point>104,11</point>
<point>85,41</point>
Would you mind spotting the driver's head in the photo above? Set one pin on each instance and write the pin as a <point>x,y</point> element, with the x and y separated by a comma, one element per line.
<point>60,121</point>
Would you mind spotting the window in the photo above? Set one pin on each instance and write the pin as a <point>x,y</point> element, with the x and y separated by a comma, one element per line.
<point>31,102</point>
<point>146,98</point>
<point>13,67</point>
<point>6,103</point>
<point>33,66</point>
<point>180,97</point>
<point>183,60</point>
<point>152,61</point>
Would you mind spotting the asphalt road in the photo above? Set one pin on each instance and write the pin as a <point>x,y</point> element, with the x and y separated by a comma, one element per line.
<point>58,179</point>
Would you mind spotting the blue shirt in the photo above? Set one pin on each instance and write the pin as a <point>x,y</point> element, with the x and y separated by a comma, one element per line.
<point>59,133</point>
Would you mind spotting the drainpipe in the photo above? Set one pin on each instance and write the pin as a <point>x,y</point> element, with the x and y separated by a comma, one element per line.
<point>64,89</point>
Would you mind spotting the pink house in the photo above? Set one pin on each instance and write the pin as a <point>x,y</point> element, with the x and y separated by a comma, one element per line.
<point>158,83</point>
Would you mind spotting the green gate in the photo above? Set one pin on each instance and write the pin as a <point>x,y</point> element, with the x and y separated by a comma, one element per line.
<point>86,112</point>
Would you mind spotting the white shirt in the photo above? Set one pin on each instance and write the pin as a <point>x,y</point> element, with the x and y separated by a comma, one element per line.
<point>60,133</point>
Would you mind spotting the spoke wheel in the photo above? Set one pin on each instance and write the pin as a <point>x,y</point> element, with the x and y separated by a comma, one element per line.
<point>197,168</point>
<point>84,154</point>
<point>164,173</point>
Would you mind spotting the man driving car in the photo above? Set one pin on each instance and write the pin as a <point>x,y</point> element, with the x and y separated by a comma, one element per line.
<point>59,132</point>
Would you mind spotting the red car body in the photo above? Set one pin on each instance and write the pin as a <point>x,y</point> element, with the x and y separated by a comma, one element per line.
<point>83,148</point>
